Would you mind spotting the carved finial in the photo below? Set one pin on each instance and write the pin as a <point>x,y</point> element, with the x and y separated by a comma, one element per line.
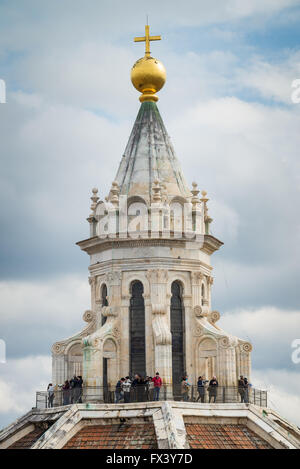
<point>207,219</point>
<point>115,190</point>
<point>195,191</point>
<point>164,192</point>
<point>94,200</point>
<point>156,190</point>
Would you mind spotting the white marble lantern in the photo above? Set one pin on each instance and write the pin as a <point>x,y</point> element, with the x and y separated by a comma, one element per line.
<point>150,276</point>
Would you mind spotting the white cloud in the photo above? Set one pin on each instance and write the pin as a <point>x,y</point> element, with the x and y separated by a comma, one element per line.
<point>71,20</point>
<point>19,381</point>
<point>271,80</point>
<point>266,324</point>
<point>242,142</point>
<point>35,314</point>
<point>57,300</point>
<point>85,76</point>
<point>270,330</point>
<point>283,391</point>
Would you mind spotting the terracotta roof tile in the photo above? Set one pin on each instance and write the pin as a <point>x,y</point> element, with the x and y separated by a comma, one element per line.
<point>123,436</point>
<point>28,440</point>
<point>209,436</point>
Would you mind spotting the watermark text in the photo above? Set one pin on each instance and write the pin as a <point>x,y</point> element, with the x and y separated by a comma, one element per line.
<point>296,352</point>
<point>2,92</point>
<point>2,351</point>
<point>295,96</point>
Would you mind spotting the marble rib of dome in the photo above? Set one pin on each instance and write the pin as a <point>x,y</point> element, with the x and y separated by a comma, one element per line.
<point>150,155</point>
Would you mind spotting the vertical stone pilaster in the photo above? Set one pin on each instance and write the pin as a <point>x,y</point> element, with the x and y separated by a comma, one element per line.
<point>188,336</point>
<point>244,354</point>
<point>196,279</point>
<point>124,348</point>
<point>210,281</point>
<point>93,285</point>
<point>92,369</point>
<point>161,330</point>
<point>150,352</point>
<point>59,369</point>
<point>227,362</point>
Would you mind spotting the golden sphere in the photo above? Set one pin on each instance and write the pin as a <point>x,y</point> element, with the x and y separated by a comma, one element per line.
<point>148,75</point>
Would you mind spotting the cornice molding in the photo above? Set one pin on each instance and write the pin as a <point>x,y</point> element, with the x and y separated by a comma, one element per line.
<point>96,245</point>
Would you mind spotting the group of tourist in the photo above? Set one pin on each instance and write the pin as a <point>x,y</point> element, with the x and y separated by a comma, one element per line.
<point>243,389</point>
<point>203,386</point>
<point>71,391</point>
<point>138,389</point>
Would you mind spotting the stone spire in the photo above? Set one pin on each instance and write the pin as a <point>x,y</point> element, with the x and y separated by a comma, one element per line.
<point>149,155</point>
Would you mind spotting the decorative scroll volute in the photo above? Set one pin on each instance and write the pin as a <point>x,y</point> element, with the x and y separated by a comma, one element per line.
<point>89,316</point>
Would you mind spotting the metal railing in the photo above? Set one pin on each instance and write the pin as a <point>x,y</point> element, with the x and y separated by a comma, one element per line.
<point>109,395</point>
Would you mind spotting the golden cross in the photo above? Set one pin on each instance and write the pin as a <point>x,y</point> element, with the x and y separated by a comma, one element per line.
<point>147,38</point>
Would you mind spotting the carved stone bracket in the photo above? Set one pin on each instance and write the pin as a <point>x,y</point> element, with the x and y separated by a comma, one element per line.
<point>162,334</point>
<point>92,281</point>
<point>157,275</point>
<point>109,311</point>
<point>197,277</point>
<point>210,280</point>
<point>159,308</point>
<point>114,277</point>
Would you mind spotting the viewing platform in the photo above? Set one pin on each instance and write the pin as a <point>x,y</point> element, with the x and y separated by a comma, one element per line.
<point>107,395</point>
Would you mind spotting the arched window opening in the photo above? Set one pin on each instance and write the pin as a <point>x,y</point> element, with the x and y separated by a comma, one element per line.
<point>104,301</point>
<point>137,330</point>
<point>177,330</point>
<point>202,294</point>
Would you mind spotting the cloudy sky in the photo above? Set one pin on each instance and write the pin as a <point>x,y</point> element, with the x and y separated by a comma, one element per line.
<point>70,108</point>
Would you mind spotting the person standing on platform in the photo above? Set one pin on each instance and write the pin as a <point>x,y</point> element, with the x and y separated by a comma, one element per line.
<point>157,385</point>
<point>126,387</point>
<point>213,389</point>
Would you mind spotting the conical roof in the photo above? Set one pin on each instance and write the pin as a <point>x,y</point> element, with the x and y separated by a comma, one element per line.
<point>149,155</point>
